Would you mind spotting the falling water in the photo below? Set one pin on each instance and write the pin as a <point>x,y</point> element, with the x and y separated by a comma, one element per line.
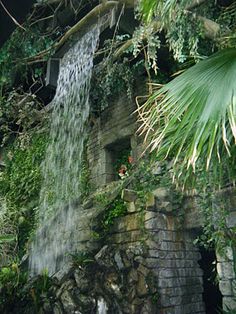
<point>61,168</point>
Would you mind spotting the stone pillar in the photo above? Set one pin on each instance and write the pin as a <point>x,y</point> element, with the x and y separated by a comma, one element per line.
<point>175,277</point>
<point>227,278</point>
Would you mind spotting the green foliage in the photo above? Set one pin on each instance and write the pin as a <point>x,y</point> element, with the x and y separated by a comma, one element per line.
<point>214,209</point>
<point>194,114</point>
<point>146,180</point>
<point>11,284</point>
<point>19,112</point>
<point>21,45</point>
<point>108,82</point>
<point>117,209</point>
<point>20,184</point>
<point>21,179</point>
<point>18,295</point>
<point>187,26</point>
<point>82,259</point>
<point>122,159</point>
<point>146,33</point>
<point>102,199</point>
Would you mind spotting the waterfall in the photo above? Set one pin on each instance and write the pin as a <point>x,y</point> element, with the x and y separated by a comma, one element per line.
<point>55,238</point>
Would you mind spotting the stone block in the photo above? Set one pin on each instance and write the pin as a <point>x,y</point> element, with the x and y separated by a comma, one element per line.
<point>127,223</point>
<point>172,246</point>
<point>225,270</point>
<point>128,195</point>
<point>229,303</point>
<point>82,281</point>
<point>127,237</point>
<point>132,276</point>
<point>167,235</point>
<point>66,286</point>
<point>157,254</point>
<point>68,302</point>
<point>167,273</point>
<point>153,243</point>
<point>131,208</point>
<point>225,256</point>
<point>119,261</point>
<point>225,287</point>
<point>57,309</point>
<point>164,206</point>
<point>156,223</point>
<point>193,308</point>
<point>180,273</point>
<point>162,193</point>
<point>64,272</point>
<point>150,200</point>
<point>182,291</point>
<point>150,215</point>
<point>171,282</point>
<point>142,287</point>
<point>231,220</point>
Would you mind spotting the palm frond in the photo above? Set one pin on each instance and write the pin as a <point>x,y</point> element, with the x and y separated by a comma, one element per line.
<point>195,114</point>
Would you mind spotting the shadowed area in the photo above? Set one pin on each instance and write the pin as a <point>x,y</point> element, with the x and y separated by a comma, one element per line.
<point>19,10</point>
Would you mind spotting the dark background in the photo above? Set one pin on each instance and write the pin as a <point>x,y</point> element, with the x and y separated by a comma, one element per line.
<point>18,9</point>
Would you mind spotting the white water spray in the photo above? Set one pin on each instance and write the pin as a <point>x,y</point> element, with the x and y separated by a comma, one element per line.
<point>58,217</point>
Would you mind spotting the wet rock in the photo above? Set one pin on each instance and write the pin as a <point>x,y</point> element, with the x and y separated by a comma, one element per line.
<point>147,307</point>
<point>119,261</point>
<point>47,308</point>
<point>57,309</point>
<point>68,302</point>
<point>133,276</point>
<point>64,273</point>
<point>104,258</point>
<point>66,286</point>
<point>82,281</point>
<point>102,307</point>
<point>142,287</point>
<point>87,304</point>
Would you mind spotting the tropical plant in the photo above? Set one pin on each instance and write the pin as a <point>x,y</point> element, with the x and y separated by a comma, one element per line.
<point>191,28</point>
<point>194,115</point>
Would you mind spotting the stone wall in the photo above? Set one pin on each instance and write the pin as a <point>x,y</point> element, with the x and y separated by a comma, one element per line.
<point>227,278</point>
<point>146,263</point>
<point>226,260</point>
<point>109,134</point>
<point>226,257</point>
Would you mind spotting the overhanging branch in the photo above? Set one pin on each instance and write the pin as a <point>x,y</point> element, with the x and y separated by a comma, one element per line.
<point>99,11</point>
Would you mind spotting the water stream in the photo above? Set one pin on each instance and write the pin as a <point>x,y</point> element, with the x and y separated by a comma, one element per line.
<point>61,169</point>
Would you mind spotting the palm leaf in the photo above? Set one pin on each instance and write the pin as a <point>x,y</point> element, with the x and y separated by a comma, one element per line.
<point>194,115</point>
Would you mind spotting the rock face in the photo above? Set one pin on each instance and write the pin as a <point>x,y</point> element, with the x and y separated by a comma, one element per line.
<point>146,264</point>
